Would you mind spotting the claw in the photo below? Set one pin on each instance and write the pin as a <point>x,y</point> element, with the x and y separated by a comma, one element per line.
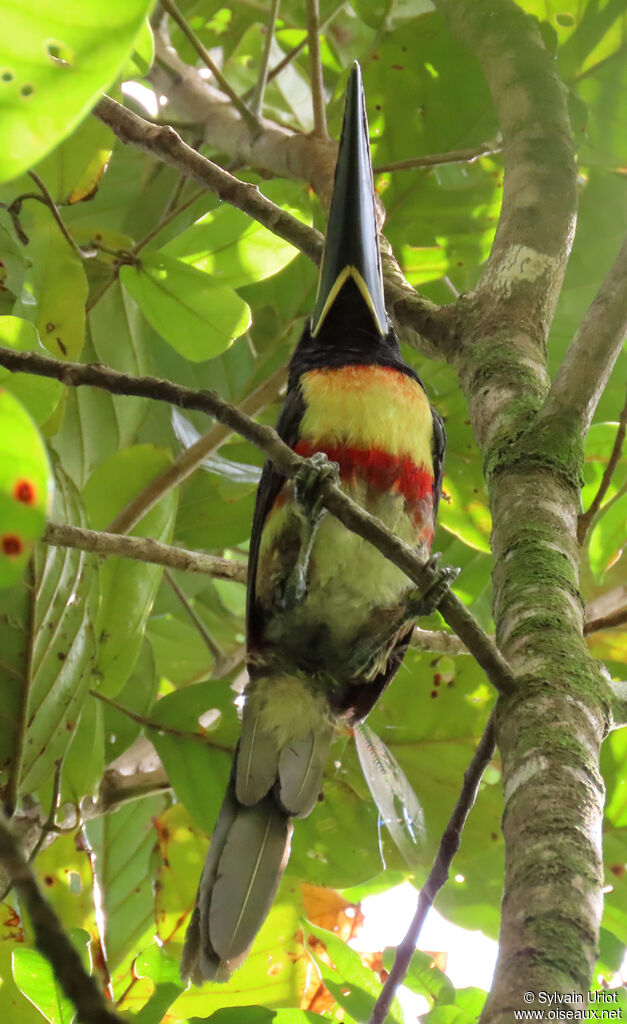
<point>423,603</point>
<point>308,482</point>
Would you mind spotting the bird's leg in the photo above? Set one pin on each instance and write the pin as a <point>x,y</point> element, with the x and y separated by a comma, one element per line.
<point>308,483</point>
<point>425,602</point>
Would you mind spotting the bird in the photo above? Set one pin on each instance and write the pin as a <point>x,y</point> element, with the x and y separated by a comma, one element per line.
<point>329,618</point>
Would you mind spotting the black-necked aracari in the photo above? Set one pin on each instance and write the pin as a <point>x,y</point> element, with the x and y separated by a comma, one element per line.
<point>328,617</point>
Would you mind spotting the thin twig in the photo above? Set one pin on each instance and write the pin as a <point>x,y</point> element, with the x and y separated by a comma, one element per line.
<point>262,79</point>
<point>170,215</point>
<point>585,519</point>
<point>449,845</point>
<point>191,458</point>
<point>315,70</point>
<point>293,53</point>
<point>149,723</point>
<point>454,156</point>
<point>142,549</point>
<point>215,652</point>
<point>51,939</point>
<point>586,367</point>
<point>48,825</point>
<point>617,618</point>
<point>54,210</point>
<point>249,116</point>
<point>453,611</point>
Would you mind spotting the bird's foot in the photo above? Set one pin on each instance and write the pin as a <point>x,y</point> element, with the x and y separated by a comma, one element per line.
<point>308,482</point>
<point>425,602</point>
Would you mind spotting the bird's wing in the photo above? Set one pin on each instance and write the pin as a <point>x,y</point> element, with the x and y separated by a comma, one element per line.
<point>269,488</point>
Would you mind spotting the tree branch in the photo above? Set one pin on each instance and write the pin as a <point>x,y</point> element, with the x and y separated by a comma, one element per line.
<point>524,273</point>
<point>145,550</point>
<point>51,939</point>
<point>142,549</point>
<point>164,143</point>
<point>585,519</point>
<point>287,462</point>
<point>315,70</point>
<point>587,365</point>
<point>449,845</point>
<point>454,156</point>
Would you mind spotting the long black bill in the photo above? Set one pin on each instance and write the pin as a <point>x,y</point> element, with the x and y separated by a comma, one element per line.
<point>352,245</point>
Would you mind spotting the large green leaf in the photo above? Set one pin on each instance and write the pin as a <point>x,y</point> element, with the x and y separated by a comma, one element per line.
<point>198,317</point>
<point>119,336</point>
<point>57,58</point>
<point>47,627</point>
<point>236,250</point>
<point>121,845</point>
<point>128,587</point>
<point>54,287</point>
<point>198,766</point>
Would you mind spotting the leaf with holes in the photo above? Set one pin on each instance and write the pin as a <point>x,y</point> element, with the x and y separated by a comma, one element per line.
<point>54,62</point>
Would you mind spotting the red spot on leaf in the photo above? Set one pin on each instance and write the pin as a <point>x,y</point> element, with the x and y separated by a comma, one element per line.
<point>433,694</point>
<point>24,491</point>
<point>11,545</point>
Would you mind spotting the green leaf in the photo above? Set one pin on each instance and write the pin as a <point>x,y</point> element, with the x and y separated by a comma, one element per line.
<point>197,317</point>
<point>234,1014</point>
<point>128,588</point>
<point>198,768</point>
<point>56,60</point>
<point>423,977</point>
<point>74,168</point>
<point>40,395</point>
<point>137,694</point>
<point>34,976</point>
<point>25,488</point>
<point>66,592</point>
<point>121,845</point>
<point>120,339</point>
<point>163,970</point>
<point>235,249</point>
<point>354,987</point>
<point>83,765</point>
<point>54,287</point>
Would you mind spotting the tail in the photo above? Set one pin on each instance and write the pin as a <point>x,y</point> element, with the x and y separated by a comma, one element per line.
<point>249,849</point>
<point>277,774</point>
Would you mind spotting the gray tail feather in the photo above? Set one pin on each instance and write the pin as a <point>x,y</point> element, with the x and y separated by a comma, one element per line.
<point>249,850</point>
